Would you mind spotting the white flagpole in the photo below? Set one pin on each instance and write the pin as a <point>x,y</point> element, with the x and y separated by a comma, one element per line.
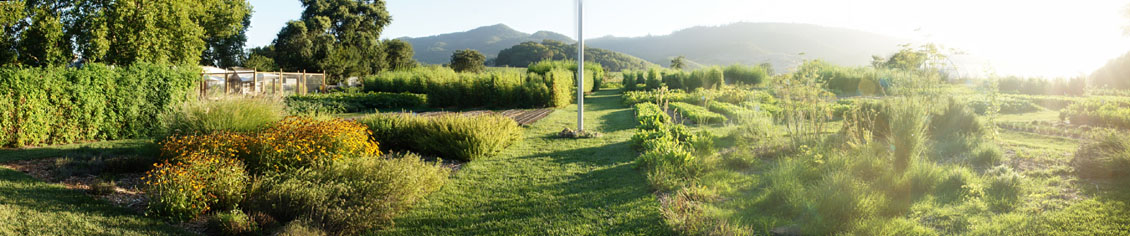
<point>580,67</point>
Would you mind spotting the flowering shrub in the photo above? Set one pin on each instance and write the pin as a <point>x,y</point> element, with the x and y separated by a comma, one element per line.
<point>300,142</point>
<point>191,185</point>
<point>223,144</point>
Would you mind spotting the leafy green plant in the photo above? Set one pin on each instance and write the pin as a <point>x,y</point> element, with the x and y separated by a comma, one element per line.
<point>357,102</point>
<point>192,185</point>
<point>650,116</point>
<point>233,222</point>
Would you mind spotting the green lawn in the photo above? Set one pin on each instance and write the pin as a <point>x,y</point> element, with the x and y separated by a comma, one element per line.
<point>548,186</point>
<point>118,147</point>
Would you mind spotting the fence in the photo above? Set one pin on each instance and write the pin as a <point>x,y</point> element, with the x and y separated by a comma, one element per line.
<point>254,83</point>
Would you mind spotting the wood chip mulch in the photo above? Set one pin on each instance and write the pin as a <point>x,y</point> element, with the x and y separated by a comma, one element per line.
<point>127,191</point>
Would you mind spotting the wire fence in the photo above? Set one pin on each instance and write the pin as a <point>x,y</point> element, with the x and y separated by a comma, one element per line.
<point>255,83</point>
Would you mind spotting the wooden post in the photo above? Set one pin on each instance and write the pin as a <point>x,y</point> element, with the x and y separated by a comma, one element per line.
<point>227,83</point>
<point>323,87</point>
<point>278,83</point>
<point>255,82</point>
<point>302,83</point>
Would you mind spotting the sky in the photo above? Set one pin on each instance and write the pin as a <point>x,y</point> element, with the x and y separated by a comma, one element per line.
<point>1026,38</point>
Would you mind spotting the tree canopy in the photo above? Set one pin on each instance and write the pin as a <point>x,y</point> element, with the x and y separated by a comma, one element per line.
<point>340,37</point>
<point>468,60</point>
<point>524,54</point>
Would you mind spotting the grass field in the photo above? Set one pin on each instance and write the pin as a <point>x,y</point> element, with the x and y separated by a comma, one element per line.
<point>549,186</point>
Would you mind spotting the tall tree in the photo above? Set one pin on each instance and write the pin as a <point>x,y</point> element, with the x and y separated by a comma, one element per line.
<point>523,54</point>
<point>225,25</point>
<point>398,54</point>
<point>11,12</point>
<point>341,37</point>
<point>42,42</point>
<point>468,60</point>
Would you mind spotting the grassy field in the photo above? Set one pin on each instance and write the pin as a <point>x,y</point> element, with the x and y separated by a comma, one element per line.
<point>548,186</point>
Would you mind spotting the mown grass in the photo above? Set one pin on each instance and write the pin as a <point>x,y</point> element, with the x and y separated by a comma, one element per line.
<point>117,147</point>
<point>546,185</point>
<point>32,207</point>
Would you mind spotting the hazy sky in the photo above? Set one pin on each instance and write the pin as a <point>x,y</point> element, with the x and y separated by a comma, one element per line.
<point>1051,38</point>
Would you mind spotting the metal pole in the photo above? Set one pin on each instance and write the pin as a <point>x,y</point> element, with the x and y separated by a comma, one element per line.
<point>580,67</point>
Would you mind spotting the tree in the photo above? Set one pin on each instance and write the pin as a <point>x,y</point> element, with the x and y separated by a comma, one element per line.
<point>340,37</point>
<point>261,59</point>
<point>523,54</point>
<point>225,25</point>
<point>677,63</point>
<point>767,67</point>
<point>42,43</point>
<point>654,79</point>
<point>468,60</point>
<point>11,12</point>
<point>398,54</point>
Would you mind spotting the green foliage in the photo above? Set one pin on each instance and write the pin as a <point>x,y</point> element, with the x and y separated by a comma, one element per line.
<point>398,54</point>
<point>654,79</point>
<point>468,60</point>
<point>261,59</point>
<point>458,137</point>
<point>225,28</point>
<point>593,72</point>
<point>1004,190</point>
<point>233,222</point>
<point>230,114</point>
<point>338,37</point>
<point>58,106</point>
<point>352,195</point>
<point>650,116</point>
<point>734,112</point>
<point>1107,157</point>
<point>698,114</point>
<point>526,53</point>
<point>1041,86</point>
<point>629,80</point>
<point>192,185</point>
<point>358,102</point>
<point>1098,112</point>
<point>750,75</point>
<point>677,63</point>
<point>1113,74</point>
<point>446,88</point>
<point>43,42</point>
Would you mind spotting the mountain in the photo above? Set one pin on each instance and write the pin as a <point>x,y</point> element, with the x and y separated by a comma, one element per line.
<point>488,40</point>
<point>523,54</point>
<point>753,43</point>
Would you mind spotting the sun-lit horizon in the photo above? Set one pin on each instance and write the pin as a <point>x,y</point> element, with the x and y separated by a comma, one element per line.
<point>1024,38</point>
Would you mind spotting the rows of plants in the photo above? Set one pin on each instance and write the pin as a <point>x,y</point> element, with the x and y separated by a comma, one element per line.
<point>671,154</point>
<point>357,102</point>
<point>697,114</point>
<point>548,84</point>
<point>451,136</point>
<point>654,78</point>
<point>734,95</point>
<point>1098,112</point>
<point>54,105</point>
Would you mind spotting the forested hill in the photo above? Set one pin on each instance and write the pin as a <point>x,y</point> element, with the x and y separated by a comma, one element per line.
<point>525,53</point>
<point>488,40</point>
<point>755,43</point>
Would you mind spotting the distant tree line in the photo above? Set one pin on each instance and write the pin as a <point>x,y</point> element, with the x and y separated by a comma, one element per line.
<point>524,54</point>
<point>58,32</point>
<point>1115,74</point>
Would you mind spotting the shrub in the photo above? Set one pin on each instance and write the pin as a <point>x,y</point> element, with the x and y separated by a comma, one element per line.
<point>629,80</point>
<point>298,142</point>
<point>650,116</point>
<point>697,114</point>
<point>189,186</point>
<point>234,115</point>
<point>351,195</point>
<point>1108,156</point>
<point>299,228</point>
<point>1003,190</point>
<point>740,74</point>
<point>654,79</point>
<point>233,222</point>
<point>593,72</point>
<point>1098,112</point>
<point>54,105</point>
<point>956,121</point>
<point>357,102</point>
<point>451,136</point>
<point>446,88</point>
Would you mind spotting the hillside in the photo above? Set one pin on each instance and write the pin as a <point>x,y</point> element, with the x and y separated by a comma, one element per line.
<point>755,43</point>
<point>489,40</point>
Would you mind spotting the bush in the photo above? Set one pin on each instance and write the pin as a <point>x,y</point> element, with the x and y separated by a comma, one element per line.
<point>298,142</point>
<point>750,75</point>
<point>654,79</point>
<point>629,80</point>
<point>697,114</point>
<point>1107,157</point>
<point>234,222</point>
<point>189,186</point>
<point>650,116</point>
<point>233,115</point>
<point>1004,190</point>
<point>352,195</point>
<point>450,136</point>
<point>1098,112</point>
<point>446,88</point>
<point>54,105</point>
<point>358,102</point>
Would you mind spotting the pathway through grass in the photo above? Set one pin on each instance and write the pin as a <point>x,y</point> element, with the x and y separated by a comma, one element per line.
<point>548,186</point>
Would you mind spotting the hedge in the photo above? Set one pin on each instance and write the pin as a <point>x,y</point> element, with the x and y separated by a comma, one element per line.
<point>594,73</point>
<point>449,136</point>
<point>96,102</point>
<point>501,89</point>
<point>356,102</point>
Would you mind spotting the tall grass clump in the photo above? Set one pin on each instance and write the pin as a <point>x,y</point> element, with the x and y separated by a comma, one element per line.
<point>450,136</point>
<point>908,132</point>
<point>1106,157</point>
<point>227,114</point>
<point>502,89</point>
<point>349,196</point>
<point>748,75</point>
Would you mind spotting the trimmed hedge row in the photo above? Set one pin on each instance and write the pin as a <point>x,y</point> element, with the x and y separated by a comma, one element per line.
<point>698,114</point>
<point>356,102</point>
<point>452,136</point>
<point>503,89</point>
<point>96,102</point>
